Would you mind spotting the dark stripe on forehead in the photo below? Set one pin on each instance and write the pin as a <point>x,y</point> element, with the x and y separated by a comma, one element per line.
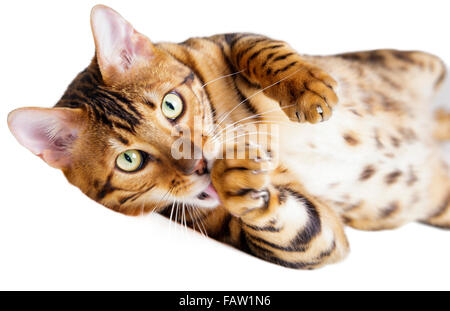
<point>149,103</point>
<point>87,90</point>
<point>71,100</point>
<point>127,102</point>
<point>122,139</point>
<point>108,107</point>
<point>123,127</point>
<point>90,77</point>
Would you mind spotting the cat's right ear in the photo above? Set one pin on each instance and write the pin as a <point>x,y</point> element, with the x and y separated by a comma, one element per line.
<point>119,47</point>
<point>47,132</point>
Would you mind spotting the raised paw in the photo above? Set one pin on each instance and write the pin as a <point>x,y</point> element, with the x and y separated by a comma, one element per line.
<point>241,180</point>
<point>310,95</point>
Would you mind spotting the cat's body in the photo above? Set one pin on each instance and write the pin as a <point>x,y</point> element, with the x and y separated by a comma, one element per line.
<point>374,164</point>
<point>384,167</point>
<point>378,144</point>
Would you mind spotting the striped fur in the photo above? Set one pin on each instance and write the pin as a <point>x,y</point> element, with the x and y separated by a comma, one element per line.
<point>373,165</point>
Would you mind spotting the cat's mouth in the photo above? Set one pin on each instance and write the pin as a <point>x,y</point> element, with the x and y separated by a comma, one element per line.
<point>208,194</point>
<point>203,194</point>
<point>205,198</point>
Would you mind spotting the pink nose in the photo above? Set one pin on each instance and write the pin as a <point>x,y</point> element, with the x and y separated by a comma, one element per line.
<point>200,167</point>
<point>191,166</point>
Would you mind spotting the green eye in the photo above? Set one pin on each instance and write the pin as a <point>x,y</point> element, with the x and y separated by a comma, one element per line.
<point>172,106</point>
<point>130,160</point>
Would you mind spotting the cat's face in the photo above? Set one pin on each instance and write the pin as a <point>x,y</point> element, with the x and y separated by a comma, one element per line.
<point>112,133</point>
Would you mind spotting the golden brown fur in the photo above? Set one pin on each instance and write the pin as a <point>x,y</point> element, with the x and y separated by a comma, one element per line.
<point>360,166</point>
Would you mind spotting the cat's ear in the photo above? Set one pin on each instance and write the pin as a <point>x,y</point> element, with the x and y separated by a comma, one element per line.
<point>47,132</point>
<point>119,47</point>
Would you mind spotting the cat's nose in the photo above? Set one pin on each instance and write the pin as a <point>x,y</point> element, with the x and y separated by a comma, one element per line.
<point>201,167</point>
<point>189,167</point>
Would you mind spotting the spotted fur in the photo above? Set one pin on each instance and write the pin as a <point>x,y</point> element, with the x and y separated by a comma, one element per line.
<point>372,164</point>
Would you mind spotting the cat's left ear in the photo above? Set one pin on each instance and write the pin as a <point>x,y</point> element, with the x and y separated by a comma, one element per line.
<point>119,47</point>
<point>47,132</point>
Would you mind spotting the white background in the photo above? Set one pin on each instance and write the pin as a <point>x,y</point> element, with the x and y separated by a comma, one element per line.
<point>53,237</point>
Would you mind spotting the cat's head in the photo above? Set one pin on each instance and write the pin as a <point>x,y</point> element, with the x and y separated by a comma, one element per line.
<point>112,131</point>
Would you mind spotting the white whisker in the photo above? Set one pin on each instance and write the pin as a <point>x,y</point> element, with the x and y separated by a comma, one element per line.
<point>268,121</point>
<point>170,219</point>
<point>246,134</point>
<point>176,212</point>
<point>256,93</point>
<point>222,77</point>
<point>198,216</point>
<point>252,117</point>
<point>193,218</point>
<point>184,217</point>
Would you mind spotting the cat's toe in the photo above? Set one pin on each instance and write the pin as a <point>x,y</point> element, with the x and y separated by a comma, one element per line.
<point>318,112</point>
<point>312,96</point>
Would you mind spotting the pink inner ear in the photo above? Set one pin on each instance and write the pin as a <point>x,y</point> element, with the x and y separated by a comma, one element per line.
<point>119,46</point>
<point>45,132</point>
<point>113,35</point>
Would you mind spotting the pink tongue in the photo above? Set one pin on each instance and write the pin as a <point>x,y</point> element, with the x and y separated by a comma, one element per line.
<point>211,192</point>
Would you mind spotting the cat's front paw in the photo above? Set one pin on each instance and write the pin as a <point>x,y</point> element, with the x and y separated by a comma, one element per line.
<point>310,94</point>
<point>242,181</point>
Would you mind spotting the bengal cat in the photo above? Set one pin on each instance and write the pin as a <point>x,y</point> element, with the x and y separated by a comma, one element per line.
<point>373,163</point>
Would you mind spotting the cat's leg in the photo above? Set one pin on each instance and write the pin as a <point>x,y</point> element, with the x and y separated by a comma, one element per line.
<point>307,92</point>
<point>438,213</point>
<point>418,72</point>
<point>274,218</point>
<point>442,129</point>
<point>441,215</point>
